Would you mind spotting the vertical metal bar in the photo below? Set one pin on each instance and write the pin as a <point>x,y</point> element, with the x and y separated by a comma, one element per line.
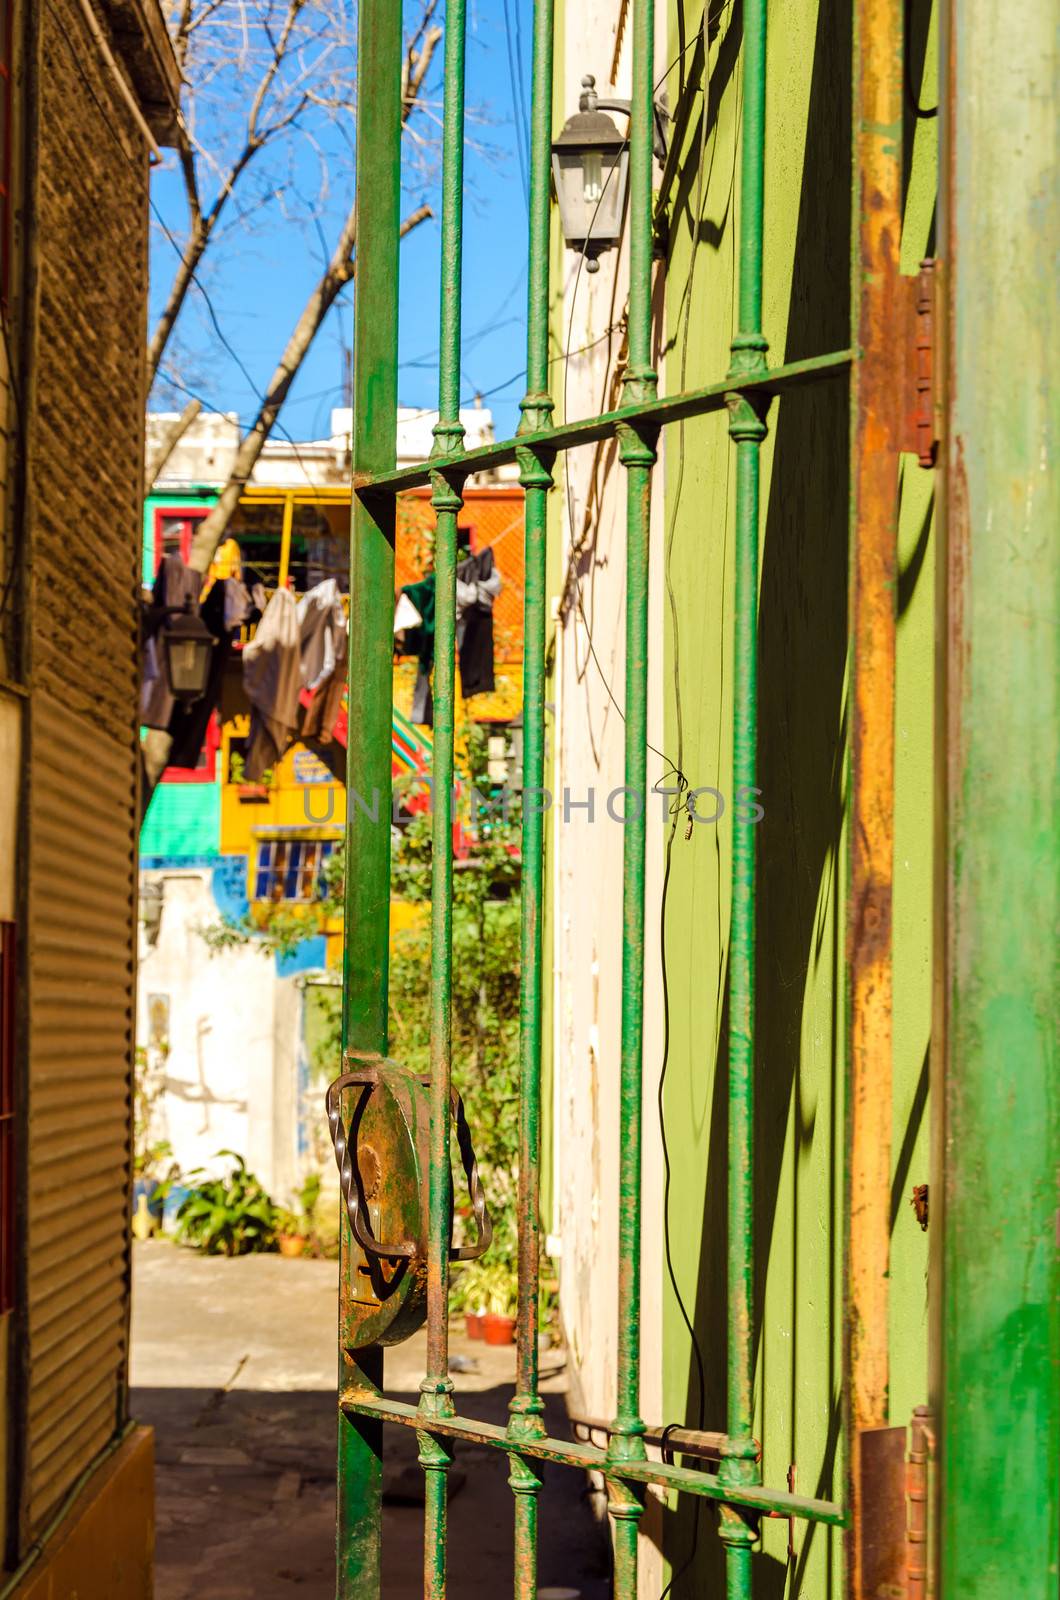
<point>637,450</point>
<point>996,1103</point>
<point>747,430</point>
<point>367,903</point>
<point>436,1390</point>
<point>535,475</point>
<point>285,541</point>
<point>876,392</point>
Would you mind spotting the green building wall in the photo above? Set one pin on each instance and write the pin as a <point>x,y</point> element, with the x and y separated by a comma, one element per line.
<point>802,845</point>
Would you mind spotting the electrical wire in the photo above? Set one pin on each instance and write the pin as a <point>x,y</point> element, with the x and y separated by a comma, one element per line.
<point>519,117</point>
<point>703,177</point>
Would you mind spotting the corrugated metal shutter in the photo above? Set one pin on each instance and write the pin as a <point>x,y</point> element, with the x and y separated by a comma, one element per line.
<point>81,933</point>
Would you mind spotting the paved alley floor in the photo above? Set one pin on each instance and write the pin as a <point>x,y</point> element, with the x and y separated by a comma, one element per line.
<point>233,1364</point>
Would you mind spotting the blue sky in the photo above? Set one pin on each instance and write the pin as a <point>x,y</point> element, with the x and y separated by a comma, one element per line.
<point>257,277</point>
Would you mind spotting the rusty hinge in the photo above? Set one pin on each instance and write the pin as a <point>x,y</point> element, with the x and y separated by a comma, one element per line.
<point>919,430</point>
<point>921,1438</point>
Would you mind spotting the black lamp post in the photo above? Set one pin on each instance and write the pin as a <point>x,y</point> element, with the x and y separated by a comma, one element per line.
<point>187,648</point>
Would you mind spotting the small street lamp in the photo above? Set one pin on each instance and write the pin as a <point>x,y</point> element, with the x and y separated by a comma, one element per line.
<point>590,169</point>
<point>187,645</point>
<point>590,162</point>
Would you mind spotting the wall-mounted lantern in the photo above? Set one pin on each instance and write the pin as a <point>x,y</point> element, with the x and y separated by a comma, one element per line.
<point>590,162</point>
<point>187,646</point>
<point>590,168</point>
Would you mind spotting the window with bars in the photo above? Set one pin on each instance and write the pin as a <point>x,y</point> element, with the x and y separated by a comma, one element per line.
<point>290,869</point>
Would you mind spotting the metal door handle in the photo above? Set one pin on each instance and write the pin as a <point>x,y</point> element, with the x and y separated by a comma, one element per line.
<point>360,1227</point>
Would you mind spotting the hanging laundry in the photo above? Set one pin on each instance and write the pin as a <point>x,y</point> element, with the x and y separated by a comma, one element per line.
<point>420,640</point>
<point>478,583</point>
<point>324,645</point>
<point>405,614</point>
<point>422,701</point>
<point>272,678</point>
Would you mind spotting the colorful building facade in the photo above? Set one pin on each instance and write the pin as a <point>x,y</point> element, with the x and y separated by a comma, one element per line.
<point>235,1025</point>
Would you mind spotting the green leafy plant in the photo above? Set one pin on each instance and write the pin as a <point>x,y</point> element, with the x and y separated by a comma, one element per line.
<point>231,1216</point>
<point>300,1222</point>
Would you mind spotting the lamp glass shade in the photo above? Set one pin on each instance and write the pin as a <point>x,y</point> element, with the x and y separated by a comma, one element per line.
<point>188,647</point>
<point>591,193</point>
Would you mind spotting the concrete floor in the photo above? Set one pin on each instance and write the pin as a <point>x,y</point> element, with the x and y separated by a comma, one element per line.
<point>233,1364</point>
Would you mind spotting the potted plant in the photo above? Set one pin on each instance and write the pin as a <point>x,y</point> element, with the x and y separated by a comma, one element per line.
<point>295,1228</point>
<point>230,1216</point>
<point>253,793</point>
<point>498,1324</point>
<point>470,1293</point>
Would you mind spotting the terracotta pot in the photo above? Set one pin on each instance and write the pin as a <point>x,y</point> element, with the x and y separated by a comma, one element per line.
<point>498,1330</point>
<point>291,1244</point>
<point>473,1321</point>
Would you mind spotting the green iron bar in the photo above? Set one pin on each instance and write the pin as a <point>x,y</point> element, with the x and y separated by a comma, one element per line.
<point>436,1396</point>
<point>367,891</point>
<point>562,1452</point>
<point>764,383</point>
<point>747,429</point>
<point>535,475</point>
<point>637,450</point>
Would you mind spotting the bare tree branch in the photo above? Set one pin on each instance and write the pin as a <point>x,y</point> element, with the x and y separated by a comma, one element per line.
<point>170,439</point>
<point>213,527</point>
<point>288,95</point>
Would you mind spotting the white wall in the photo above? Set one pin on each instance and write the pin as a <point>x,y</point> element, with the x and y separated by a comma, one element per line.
<point>587,882</point>
<point>230,1075</point>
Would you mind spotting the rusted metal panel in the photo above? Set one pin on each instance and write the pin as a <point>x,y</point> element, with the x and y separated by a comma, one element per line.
<point>881,1496</point>
<point>79,946</point>
<point>877,389</point>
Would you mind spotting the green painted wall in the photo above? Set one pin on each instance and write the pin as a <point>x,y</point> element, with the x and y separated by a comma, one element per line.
<point>197,495</point>
<point>183,824</point>
<point>801,843</point>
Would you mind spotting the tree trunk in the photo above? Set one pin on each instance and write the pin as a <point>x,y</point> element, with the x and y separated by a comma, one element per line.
<point>212,529</point>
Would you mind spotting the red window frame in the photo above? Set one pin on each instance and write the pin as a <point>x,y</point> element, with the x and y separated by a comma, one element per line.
<point>189,514</point>
<point>207,773</point>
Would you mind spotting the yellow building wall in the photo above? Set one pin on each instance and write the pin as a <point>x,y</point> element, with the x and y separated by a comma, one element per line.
<point>103,1549</point>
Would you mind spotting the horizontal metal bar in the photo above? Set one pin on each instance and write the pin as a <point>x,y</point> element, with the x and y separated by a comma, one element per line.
<point>565,1454</point>
<point>567,435</point>
<point>693,1442</point>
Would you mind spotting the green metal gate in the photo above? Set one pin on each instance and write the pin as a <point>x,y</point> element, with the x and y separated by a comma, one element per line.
<point>883,423</point>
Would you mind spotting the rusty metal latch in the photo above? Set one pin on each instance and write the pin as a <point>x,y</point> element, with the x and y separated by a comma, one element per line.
<point>919,427</point>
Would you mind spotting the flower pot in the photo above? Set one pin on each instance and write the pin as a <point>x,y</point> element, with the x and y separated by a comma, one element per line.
<point>473,1321</point>
<point>291,1244</point>
<point>148,1187</point>
<point>497,1329</point>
